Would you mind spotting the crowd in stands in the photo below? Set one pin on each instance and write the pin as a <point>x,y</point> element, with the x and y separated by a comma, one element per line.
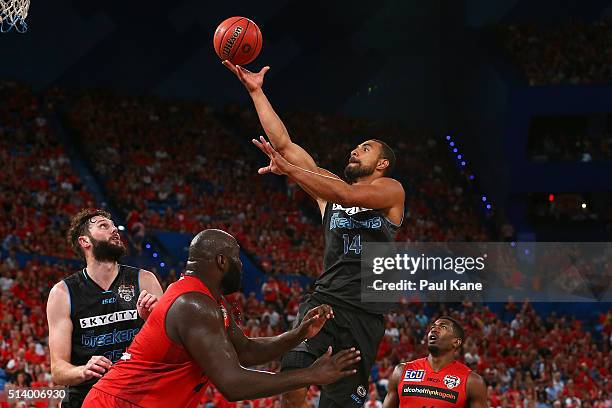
<point>526,359</point>
<point>566,138</point>
<point>162,162</point>
<point>572,53</point>
<point>40,191</point>
<point>183,166</point>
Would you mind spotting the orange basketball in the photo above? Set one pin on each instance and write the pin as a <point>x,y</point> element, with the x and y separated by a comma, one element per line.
<point>238,40</point>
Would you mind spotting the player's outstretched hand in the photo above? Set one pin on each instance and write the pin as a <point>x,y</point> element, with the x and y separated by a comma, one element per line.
<point>328,369</point>
<point>278,164</point>
<point>251,80</point>
<point>314,320</point>
<point>146,303</point>
<point>96,367</point>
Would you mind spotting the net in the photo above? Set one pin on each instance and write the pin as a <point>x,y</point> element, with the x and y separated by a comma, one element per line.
<point>13,14</point>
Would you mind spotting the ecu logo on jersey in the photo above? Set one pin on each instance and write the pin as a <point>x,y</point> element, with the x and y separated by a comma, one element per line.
<point>414,375</point>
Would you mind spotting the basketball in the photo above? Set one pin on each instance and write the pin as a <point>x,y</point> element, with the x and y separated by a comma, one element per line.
<point>238,39</point>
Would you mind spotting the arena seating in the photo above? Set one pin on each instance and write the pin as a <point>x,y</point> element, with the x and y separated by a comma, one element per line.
<point>183,166</point>
<point>574,53</point>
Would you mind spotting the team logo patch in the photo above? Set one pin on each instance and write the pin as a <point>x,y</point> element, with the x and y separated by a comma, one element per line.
<point>126,292</point>
<point>414,375</point>
<point>361,391</point>
<point>451,381</point>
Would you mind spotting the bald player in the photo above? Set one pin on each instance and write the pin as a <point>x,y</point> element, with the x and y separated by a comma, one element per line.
<point>437,380</point>
<point>190,339</point>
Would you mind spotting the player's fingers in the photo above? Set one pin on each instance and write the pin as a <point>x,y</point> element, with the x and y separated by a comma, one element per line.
<point>326,310</point>
<point>344,353</point>
<point>103,360</point>
<point>142,295</point>
<point>260,146</point>
<point>151,302</point>
<point>145,300</point>
<point>230,66</point>
<point>264,170</point>
<point>97,369</point>
<point>348,372</point>
<point>264,70</point>
<point>349,358</point>
<point>90,373</point>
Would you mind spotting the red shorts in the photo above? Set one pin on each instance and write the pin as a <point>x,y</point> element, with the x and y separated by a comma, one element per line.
<point>96,399</point>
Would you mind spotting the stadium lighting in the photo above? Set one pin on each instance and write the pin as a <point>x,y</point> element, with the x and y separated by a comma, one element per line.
<point>584,205</point>
<point>121,228</point>
<point>154,254</point>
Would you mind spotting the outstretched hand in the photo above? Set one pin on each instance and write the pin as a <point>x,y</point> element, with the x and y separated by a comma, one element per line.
<point>314,321</point>
<point>278,164</point>
<point>251,80</point>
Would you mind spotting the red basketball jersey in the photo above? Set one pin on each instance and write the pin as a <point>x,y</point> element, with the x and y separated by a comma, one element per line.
<point>155,371</point>
<point>421,387</point>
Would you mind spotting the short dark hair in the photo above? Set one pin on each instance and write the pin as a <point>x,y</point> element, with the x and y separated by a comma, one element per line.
<point>386,152</point>
<point>79,225</point>
<point>457,329</point>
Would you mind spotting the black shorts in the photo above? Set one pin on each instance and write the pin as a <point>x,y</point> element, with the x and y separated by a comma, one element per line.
<point>349,328</point>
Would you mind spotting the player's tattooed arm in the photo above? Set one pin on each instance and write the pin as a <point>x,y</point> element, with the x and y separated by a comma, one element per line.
<point>476,391</point>
<point>392,398</point>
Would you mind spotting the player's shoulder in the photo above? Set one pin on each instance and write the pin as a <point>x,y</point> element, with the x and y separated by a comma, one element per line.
<point>196,305</point>
<point>59,289</point>
<point>388,181</point>
<point>475,378</point>
<point>59,298</point>
<point>462,367</point>
<point>419,362</point>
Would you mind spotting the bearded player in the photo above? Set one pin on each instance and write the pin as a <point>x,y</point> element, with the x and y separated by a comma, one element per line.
<point>94,314</point>
<point>367,207</point>
<point>190,340</point>
<point>437,380</point>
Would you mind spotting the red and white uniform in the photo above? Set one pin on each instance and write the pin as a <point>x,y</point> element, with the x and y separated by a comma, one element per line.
<point>155,371</point>
<point>420,386</point>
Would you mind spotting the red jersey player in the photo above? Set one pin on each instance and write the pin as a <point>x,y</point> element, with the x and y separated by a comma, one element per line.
<point>190,339</point>
<point>437,380</point>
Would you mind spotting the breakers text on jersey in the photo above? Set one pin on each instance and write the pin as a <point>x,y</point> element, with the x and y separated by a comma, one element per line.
<point>90,339</point>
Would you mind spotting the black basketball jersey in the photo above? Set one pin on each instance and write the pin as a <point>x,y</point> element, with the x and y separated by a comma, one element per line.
<point>104,322</point>
<point>346,230</point>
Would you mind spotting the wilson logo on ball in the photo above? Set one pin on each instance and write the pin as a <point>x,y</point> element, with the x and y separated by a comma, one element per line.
<point>230,41</point>
<point>238,40</point>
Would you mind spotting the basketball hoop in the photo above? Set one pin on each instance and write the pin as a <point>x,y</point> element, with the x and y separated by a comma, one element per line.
<point>13,14</point>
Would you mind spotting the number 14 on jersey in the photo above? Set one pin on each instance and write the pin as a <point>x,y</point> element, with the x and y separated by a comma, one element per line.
<point>353,244</point>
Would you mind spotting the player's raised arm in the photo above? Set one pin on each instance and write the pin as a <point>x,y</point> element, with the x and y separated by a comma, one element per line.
<point>196,321</point>
<point>392,398</point>
<point>260,350</point>
<point>270,121</point>
<point>382,193</point>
